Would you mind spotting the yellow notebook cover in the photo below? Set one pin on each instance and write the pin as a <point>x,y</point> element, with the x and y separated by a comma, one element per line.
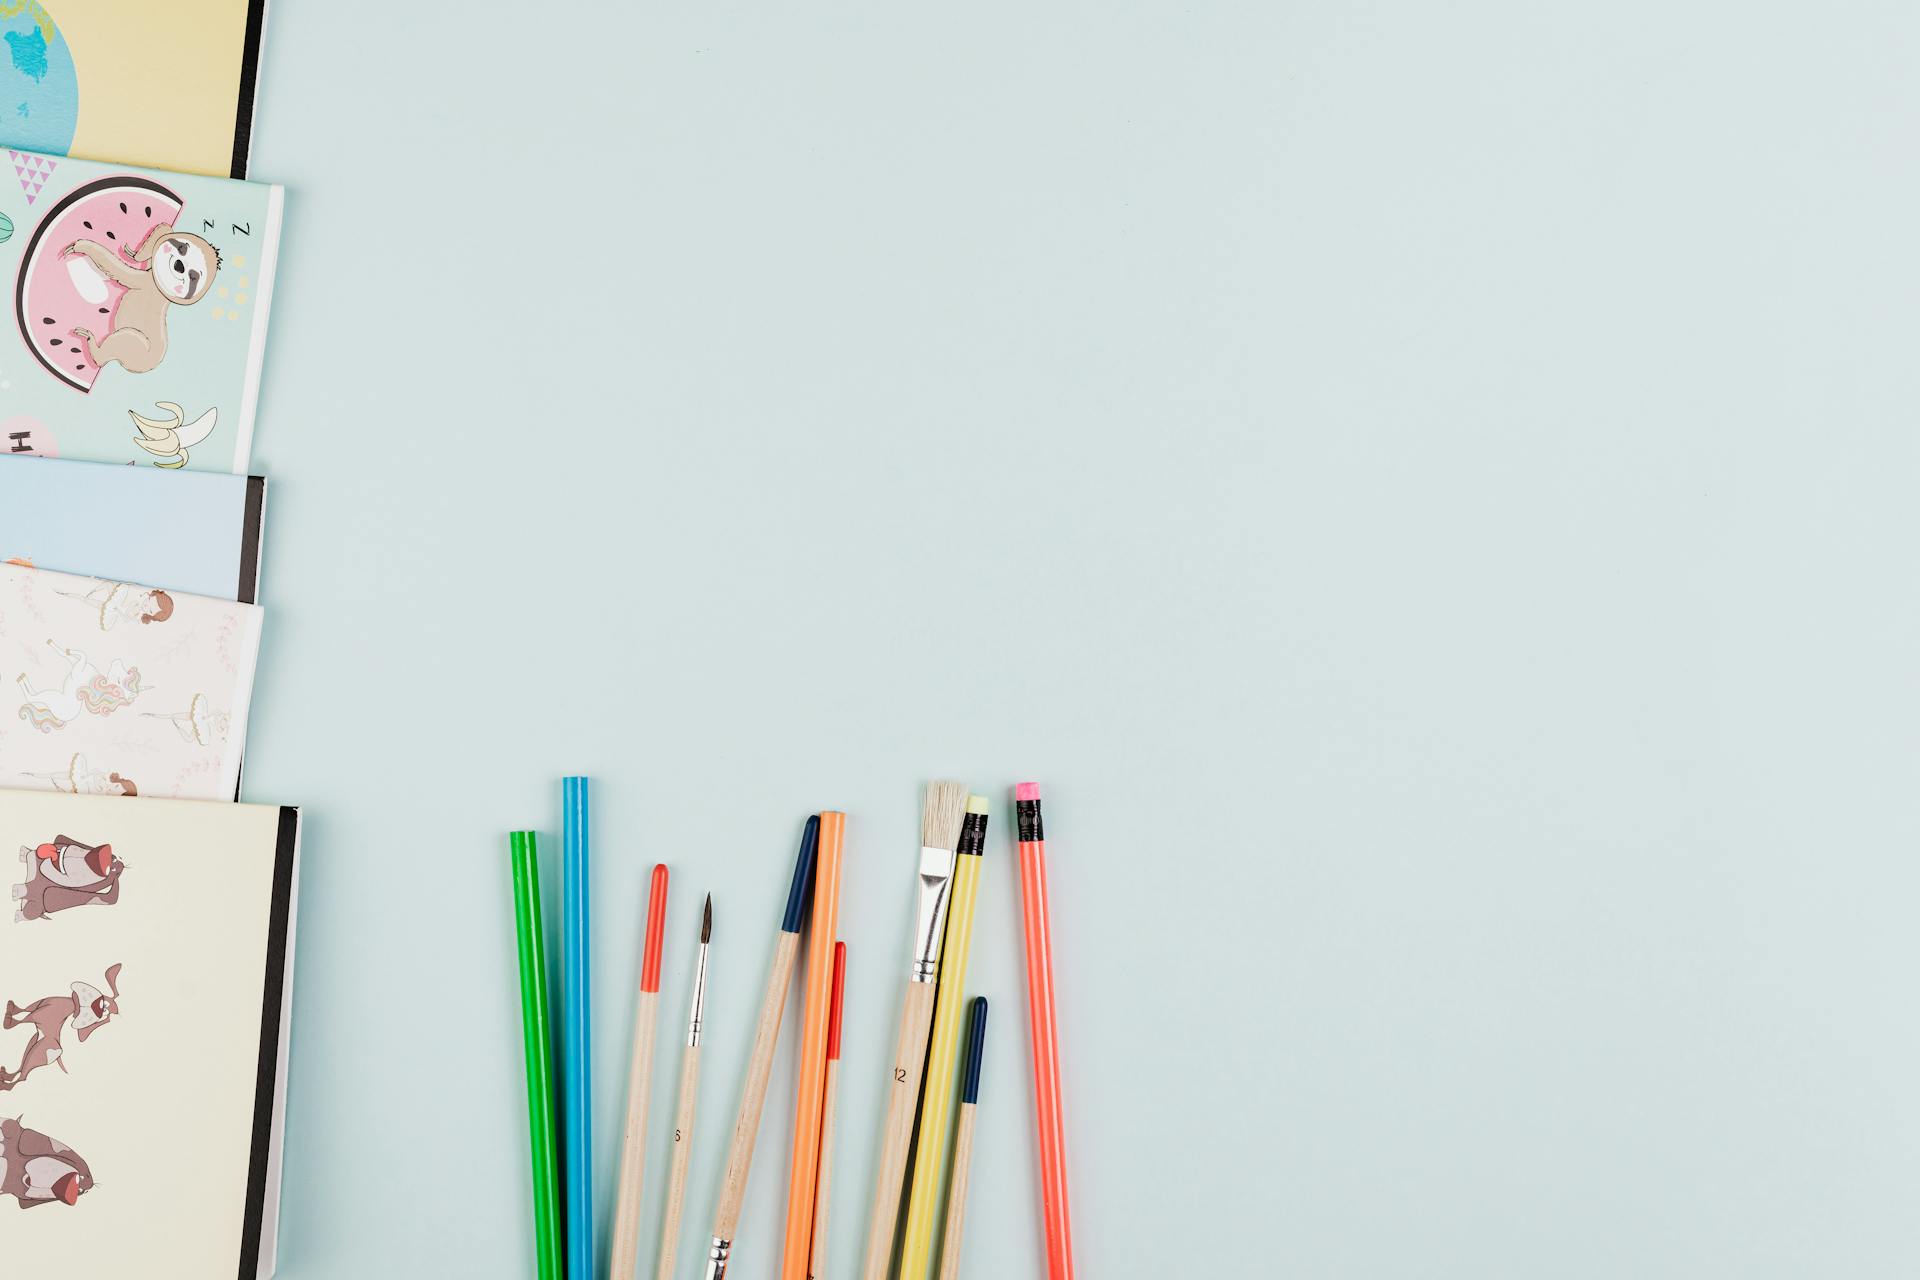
<point>169,86</point>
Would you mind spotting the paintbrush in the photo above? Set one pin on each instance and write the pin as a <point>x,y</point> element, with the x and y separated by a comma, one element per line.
<point>766,1035</point>
<point>689,1092</point>
<point>941,815</point>
<point>943,1053</point>
<point>633,1149</point>
<point>963,1140</point>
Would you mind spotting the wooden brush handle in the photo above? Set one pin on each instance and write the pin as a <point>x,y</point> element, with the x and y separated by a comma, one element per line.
<point>682,1152</point>
<point>633,1146</point>
<point>957,1194</point>
<point>909,1060</point>
<point>766,1036</point>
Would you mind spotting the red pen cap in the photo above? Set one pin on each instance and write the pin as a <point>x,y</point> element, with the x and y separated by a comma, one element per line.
<point>656,929</point>
<point>839,998</point>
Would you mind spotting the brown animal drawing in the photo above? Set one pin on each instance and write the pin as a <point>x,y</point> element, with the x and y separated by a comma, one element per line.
<point>181,271</point>
<point>37,1170</point>
<point>84,1012</point>
<point>64,874</point>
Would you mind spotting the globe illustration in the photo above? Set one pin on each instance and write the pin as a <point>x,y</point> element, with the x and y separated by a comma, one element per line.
<point>39,92</point>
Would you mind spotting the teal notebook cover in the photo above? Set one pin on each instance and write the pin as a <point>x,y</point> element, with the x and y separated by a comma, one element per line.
<point>192,532</point>
<point>137,312</point>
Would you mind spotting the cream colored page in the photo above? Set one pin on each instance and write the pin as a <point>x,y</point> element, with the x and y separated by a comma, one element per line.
<point>158,1100</point>
<point>110,689</point>
<point>159,83</point>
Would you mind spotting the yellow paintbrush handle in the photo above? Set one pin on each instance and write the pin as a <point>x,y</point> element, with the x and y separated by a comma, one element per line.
<point>936,1103</point>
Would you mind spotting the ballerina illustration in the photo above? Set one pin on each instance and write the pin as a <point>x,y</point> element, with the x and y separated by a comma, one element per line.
<point>84,689</point>
<point>118,602</point>
<point>81,779</point>
<point>199,724</point>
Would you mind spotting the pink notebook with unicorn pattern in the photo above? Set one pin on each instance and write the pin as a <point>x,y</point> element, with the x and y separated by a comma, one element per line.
<point>118,689</point>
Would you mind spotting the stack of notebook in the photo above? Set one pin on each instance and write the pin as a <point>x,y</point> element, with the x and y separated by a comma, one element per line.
<point>140,266</point>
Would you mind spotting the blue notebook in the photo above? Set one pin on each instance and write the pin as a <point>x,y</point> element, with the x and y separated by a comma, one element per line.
<point>195,532</point>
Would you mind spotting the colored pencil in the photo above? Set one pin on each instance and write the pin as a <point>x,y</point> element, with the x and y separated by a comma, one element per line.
<point>766,1036</point>
<point>949,1024</point>
<point>1048,1122</point>
<point>963,1140</point>
<point>815,1014</point>
<point>539,1049</point>
<point>941,815</point>
<point>683,1115</point>
<point>817,1268</point>
<point>633,1147</point>
<point>577,1036</point>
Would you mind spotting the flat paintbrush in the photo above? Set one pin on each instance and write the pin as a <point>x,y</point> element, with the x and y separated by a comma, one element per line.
<point>941,815</point>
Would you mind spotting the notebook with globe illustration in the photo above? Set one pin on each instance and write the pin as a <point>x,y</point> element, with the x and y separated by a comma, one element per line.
<point>137,312</point>
<point>118,689</point>
<point>196,532</point>
<point>130,81</point>
<point>146,974</point>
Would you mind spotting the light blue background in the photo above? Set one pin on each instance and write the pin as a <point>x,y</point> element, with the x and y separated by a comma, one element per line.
<point>1428,488</point>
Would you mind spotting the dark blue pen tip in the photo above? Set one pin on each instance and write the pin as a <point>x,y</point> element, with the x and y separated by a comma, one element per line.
<point>976,1045</point>
<point>802,876</point>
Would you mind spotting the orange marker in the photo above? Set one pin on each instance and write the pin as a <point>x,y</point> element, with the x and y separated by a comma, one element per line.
<point>814,1019</point>
<point>817,1266</point>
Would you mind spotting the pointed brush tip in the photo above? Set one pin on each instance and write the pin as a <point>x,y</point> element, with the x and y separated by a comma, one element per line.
<point>706,922</point>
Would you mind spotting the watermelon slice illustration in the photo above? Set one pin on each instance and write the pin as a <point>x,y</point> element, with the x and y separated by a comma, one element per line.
<point>57,294</point>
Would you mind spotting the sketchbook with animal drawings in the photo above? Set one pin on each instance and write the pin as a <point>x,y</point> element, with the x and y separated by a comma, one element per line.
<point>117,689</point>
<point>146,964</point>
<point>138,317</point>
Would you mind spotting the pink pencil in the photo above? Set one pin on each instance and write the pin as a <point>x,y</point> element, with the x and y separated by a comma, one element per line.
<point>1046,1040</point>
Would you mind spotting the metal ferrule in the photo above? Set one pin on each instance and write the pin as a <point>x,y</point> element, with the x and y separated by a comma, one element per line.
<point>936,878</point>
<point>699,999</point>
<point>717,1253</point>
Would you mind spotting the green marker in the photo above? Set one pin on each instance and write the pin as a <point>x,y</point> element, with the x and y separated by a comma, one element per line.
<point>539,1044</point>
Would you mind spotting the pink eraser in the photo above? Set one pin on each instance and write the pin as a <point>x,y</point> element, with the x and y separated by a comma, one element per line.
<point>1027,791</point>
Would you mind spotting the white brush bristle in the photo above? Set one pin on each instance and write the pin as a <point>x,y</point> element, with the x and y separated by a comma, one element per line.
<point>942,814</point>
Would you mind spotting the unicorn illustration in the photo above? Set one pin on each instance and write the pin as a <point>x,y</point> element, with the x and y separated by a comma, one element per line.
<point>83,689</point>
<point>199,724</point>
<point>81,779</point>
<point>118,602</point>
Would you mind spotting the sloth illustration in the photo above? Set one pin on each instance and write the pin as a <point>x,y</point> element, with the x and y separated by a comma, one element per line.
<point>64,874</point>
<point>182,270</point>
<point>86,1010</point>
<point>37,1170</point>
